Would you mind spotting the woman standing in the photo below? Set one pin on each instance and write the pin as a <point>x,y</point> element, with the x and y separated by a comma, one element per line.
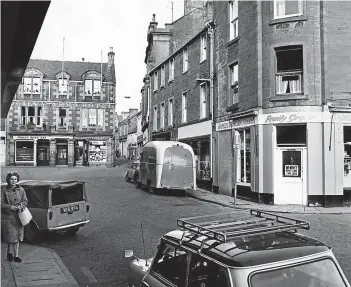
<point>13,199</point>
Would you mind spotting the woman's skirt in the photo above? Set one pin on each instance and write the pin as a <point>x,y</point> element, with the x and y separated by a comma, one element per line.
<point>12,229</point>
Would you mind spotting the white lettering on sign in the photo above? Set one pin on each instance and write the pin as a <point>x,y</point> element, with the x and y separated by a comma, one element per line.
<point>234,124</point>
<point>62,104</point>
<point>39,137</point>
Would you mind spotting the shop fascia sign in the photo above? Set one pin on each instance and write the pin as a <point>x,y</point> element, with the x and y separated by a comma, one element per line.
<point>235,124</point>
<point>39,137</point>
<point>299,117</point>
<point>56,104</point>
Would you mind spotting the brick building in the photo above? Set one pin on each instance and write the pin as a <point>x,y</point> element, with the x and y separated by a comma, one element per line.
<point>283,83</point>
<point>63,114</point>
<point>179,84</point>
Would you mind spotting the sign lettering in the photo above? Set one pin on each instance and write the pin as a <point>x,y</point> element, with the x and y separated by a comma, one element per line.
<point>55,104</point>
<point>234,124</point>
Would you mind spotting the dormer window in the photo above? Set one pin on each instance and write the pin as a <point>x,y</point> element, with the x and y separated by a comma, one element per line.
<point>92,87</point>
<point>31,85</point>
<point>63,86</point>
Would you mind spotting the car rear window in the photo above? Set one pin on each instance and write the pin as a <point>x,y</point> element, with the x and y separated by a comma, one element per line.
<point>318,273</point>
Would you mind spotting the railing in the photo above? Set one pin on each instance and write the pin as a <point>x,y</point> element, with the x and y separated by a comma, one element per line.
<point>289,82</point>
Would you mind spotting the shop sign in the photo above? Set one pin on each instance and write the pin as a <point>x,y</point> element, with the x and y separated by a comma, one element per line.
<point>301,117</point>
<point>235,124</point>
<point>291,170</point>
<point>98,143</point>
<point>56,104</point>
<point>91,138</point>
<point>39,137</point>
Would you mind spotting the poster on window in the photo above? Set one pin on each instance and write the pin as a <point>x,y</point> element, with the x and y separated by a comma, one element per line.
<point>291,170</point>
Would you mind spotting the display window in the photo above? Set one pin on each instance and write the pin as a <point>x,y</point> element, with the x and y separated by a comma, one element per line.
<point>24,151</point>
<point>244,157</point>
<point>97,151</point>
<point>347,156</point>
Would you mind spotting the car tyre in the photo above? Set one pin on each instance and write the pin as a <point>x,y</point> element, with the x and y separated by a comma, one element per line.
<point>31,233</point>
<point>73,231</point>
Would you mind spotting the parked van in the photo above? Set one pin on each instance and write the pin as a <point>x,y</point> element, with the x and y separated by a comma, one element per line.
<point>167,165</point>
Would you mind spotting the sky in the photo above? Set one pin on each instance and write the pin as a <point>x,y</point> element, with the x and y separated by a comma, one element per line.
<point>90,26</point>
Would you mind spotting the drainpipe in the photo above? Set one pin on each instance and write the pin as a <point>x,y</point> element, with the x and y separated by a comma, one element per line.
<point>210,25</point>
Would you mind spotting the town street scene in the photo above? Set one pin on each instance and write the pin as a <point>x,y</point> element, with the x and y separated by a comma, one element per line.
<point>176,143</point>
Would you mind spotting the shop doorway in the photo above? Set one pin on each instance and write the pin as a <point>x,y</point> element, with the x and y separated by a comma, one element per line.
<point>62,154</point>
<point>290,180</point>
<point>43,155</point>
<point>80,153</point>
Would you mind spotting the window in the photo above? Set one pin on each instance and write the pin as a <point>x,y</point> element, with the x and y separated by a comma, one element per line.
<point>291,135</point>
<point>92,118</point>
<point>162,116</point>
<point>31,115</point>
<point>171,70</point>
<point>233,18</point>
<point>287,8</point>
<point>84,118</point>
<point>203,101</point>
<point>289,70</point>
<point>244,157</point>
<point>170,112</point>
<point>204,272</point>
<point>100,118</point>
<point>63,86</point>
<point>62,117</point>
<point>92,87</point>
<point>154,124</point>
<point>234,84</point>
<point>203,48</point>
<point>155,81</point>
<point>162,75</point>
<point>184,108</point>
<point>31,85</point>
<point>185,60</point>
<point>170,263</point>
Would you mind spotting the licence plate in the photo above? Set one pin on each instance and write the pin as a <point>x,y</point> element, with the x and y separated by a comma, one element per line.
<point>69,209</point>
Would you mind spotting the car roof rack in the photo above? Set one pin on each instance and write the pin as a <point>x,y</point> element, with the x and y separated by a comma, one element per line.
<point>226,228</point>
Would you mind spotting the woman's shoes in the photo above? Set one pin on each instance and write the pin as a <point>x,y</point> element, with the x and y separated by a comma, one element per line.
<point>18,259</point>
<point>9,257</point>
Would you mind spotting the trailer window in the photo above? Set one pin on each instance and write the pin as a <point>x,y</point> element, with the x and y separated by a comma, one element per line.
<point>178,156</point>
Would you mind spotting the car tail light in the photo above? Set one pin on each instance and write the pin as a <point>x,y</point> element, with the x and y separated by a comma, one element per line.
<point>87,208</point>
<point>50,215</point>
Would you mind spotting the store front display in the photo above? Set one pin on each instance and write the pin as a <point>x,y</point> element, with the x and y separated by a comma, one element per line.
<point>24,151</point>
<point>97,152</point>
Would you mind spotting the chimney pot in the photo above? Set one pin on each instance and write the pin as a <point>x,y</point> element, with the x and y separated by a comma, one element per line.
<point>153,17</point>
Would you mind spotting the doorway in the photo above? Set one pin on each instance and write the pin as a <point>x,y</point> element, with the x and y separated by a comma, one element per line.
<point>62,154</point>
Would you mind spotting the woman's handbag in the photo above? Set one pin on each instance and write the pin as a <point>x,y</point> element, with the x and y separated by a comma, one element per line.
<point>25,216</point>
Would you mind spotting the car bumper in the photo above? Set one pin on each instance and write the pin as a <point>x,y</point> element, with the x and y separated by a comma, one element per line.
<point>76,224</point>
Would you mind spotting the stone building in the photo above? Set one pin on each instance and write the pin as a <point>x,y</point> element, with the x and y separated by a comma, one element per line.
<point>127,134</point>
<point>63,114</point>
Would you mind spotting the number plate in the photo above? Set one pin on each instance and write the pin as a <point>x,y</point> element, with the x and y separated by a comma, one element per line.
<point>69,209</point>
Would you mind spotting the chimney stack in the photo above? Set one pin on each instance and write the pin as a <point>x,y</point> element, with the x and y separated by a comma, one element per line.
<point>111,57</point>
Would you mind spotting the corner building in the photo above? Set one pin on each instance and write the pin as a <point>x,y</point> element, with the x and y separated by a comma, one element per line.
<point>283,89</point>
<point>63,115</point>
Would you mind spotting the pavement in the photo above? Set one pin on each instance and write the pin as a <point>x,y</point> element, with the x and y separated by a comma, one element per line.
<point>228,201</point>
<point>41,267</point>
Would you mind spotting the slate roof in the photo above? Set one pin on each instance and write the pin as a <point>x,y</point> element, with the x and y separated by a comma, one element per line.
<point>75,69</point>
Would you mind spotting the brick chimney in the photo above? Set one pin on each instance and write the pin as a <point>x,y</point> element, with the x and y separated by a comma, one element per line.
<point>111,57</point>
<point>153,23</point>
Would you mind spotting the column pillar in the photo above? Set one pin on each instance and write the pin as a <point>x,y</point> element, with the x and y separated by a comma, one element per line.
<point>35,152</point>
<point>11,152</point>
<point>70,153</point>
<point>52,152</point>
<point>198,168</point>
<point>109,153</point>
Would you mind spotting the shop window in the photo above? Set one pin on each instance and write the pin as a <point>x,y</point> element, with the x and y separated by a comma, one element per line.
<point>62,117</point>
<point>24,151</point>
<point>291,135</point>
<point>289,70</point>
<point>31,116</point>
<point>244,157</point>
<point>347,156</point>
<point>203,162</point>
<point>97,151</point>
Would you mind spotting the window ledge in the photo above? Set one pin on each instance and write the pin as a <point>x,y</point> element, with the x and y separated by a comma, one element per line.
<point>231,42</point>
<point>288,97</point>
<point>288,19</point>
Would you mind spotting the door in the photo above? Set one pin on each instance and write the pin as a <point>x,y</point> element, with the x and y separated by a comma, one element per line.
<point>42,156</point>
<point>290,186</point>
<point>62,155</point>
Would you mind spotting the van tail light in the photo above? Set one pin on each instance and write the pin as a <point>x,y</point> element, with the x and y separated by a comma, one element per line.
<point>87,208</point>
<point>50,215</point>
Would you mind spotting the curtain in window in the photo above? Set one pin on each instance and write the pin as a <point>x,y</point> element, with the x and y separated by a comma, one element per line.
<point>63,86</point>
<point>27,85</point>
<point>100,117</point>
<point>88,87</point>
<point>84,117</point>
<point>97,87</point>
<point>36,86</point>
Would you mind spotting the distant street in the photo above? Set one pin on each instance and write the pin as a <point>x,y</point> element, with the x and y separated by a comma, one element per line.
<point>95,257</point>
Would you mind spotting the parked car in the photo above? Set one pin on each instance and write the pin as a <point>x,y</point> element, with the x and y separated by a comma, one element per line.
<point>56,206</point>
<point>263,250</point>
<point>133,171</point>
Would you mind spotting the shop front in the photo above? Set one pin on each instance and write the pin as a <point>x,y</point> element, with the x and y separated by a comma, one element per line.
<point>61,152</point>
<point>43,153</point>
<point>97,152</point>
<point>24,152</point>
<point>198,136</point>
